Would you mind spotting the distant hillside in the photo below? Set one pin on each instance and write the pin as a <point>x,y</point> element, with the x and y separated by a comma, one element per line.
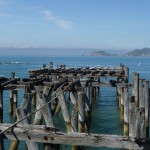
<point>139,52</point>
<point>100,53</point>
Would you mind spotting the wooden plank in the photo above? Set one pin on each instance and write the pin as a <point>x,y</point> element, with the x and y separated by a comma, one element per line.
<point>100,84</point>
<point>82,139</point>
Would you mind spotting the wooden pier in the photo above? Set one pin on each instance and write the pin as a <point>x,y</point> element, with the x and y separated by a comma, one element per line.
<point>49,90</point>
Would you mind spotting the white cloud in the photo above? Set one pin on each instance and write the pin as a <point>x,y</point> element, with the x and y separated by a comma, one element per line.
<point>65,24</point>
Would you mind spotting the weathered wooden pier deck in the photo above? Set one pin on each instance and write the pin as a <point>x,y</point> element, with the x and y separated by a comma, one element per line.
<point>48,91</point>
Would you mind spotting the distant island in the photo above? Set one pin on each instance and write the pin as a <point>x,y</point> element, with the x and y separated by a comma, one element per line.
<point>136,52</point>
<point>101,53</point>
<point>139,52</point>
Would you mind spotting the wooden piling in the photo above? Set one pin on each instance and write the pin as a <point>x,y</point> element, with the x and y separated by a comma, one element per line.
<point>147,99</point>
<point>54,106</point>
<point>14,145</point>
<point>58,108</point>
<point>26,104</point>
<point>51,65</point>
<point>132,116</point>
<point>141,93</point>
<point>122,103</point>
<point>135,88</point>
<point>142,122</point>
<point>126,111</point>
<point>34,99</point>
<point>137,122</point>
<point>1,105</point>
<point>15,103</point>
<point>126,70</point>
<point>88,114</point>
<point>1,116</point>
<point>54,76</point>
<point>81,111</point>
<point>11,102</point>
<point>119,96</point>
<point>46,111</point>
<point>38,114</point>
<point>64,109</point>
<point>74,117</point>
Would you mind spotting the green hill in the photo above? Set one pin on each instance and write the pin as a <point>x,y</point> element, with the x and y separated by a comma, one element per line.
<point>100,53</point>
<point>139,52</point>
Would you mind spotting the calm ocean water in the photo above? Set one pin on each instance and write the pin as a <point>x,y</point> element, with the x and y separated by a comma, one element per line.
<point>106,118</point>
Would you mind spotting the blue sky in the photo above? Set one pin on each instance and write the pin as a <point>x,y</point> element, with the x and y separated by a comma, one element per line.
<point>101,24</point>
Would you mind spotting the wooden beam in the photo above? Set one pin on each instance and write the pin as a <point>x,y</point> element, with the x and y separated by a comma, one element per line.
<point>73,138</point>
<point>10,81</point>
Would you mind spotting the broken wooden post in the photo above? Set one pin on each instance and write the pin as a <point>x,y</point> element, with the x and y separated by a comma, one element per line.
<point>51,65</point>
<point>74,117</point>
<point>34,99</point>
<point>54,106</point>
<point>15,103</point>
<point>122,103</point>
<point>14,145</point>
<point>1,116</point>
<point>126,110</point>
<point>46,111</point>
<point>65,112</point>
<point>11,96</point>
<point>1,104</point>
<point>81,111</point>
<point>142,122</point>
<point>54,76</point>
<point>58,108</point>
<point>26,103</point>
<point>141,94</point>
<point>11,102</point>
<point>147,99</point>
<point>38,114</point>
<point>94,93</point>
<point>137,122</point>
<point>119,95</point>
<point>135,89</point>
<point>126,70</point>
<point>88,114</point>
<point>132,116</point>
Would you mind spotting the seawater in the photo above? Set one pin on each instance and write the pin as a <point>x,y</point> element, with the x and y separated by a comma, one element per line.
<point>105,115</point>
